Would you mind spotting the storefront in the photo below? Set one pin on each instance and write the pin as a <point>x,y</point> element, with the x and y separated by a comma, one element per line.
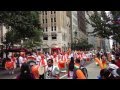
<point>55,48</point>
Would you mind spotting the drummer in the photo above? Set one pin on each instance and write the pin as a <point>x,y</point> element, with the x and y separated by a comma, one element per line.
<point>52,71</point>
<point>42,66</point>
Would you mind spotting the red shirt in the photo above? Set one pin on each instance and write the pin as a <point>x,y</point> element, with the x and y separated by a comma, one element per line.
<point>118,63</point>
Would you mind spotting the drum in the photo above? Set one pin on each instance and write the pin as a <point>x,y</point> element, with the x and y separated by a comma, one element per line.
<point>41,70</point>
<point>31,62</point>
<point>61,64</point>
<point>31,58</point>
<point>9,65</point>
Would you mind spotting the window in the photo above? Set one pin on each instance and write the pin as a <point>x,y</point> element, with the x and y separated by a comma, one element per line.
<point>54,36</point>
<point>43,20</point>
<point>54,12</point>
<point>51,12</point>
<point>46,20</point>
<point>51,19</point>
<point>45,12</point>
<point>54,19</point>
<point>46,29</point>
<point>55,28</point>
<point>45,37</point>
<point>52,28</point>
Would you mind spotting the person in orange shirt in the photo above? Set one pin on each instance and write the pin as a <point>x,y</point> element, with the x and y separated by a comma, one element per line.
<point>35,72</point>
<point>98,61</point>
<point>78,74</point>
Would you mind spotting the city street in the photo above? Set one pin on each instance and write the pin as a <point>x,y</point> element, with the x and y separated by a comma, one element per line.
<point>93,72</point>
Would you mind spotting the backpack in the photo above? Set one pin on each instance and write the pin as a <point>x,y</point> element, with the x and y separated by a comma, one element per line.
<point>83,69</point>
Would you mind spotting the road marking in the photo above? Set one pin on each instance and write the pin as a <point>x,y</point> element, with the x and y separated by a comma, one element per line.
<point>63,76</point>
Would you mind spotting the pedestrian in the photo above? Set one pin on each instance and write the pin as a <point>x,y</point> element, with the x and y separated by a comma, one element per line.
<point>25,72</point>
<point>52,71</point>
<point>104,61</point>
<point>106,74</point>
<point>71,68</point>
<point>42,65</point>
<point>78,73</point>
<point>98,61</point>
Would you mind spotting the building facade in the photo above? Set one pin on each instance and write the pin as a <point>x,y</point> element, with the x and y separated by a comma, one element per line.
<point>56,30</point>
<point>81,24</point>
<point>74,26</point>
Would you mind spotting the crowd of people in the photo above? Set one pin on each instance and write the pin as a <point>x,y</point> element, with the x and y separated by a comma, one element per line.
<point>49,66</point>
<point>109,64</point>
<point>37,65</point>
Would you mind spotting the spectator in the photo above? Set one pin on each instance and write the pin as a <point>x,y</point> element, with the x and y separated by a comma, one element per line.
<point>25,72</point>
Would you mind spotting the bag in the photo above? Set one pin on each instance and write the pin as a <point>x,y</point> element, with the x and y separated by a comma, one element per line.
<point>83,69</point>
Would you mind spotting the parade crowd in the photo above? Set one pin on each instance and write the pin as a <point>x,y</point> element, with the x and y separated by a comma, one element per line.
<point>38,65</point>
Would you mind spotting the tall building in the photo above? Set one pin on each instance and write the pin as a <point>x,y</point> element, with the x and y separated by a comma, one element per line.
<point>91,39</point>
<point>81,24</point>
<point>56,30</point>
<point>74,26</point>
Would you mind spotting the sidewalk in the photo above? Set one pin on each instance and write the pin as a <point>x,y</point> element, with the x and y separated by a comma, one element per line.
<point>93,71</point>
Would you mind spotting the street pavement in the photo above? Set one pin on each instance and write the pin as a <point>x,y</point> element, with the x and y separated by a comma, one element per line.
<point>93,71</point>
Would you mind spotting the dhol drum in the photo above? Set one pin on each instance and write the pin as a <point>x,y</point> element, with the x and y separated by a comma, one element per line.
<point>31,60</point>
<point>61,64</point>
<point>9,65</point>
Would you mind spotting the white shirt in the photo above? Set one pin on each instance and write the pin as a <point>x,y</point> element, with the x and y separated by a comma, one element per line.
<point>51,72</point>
<point>38,58</point>
<point>112,66</point>
<point>21,60</point>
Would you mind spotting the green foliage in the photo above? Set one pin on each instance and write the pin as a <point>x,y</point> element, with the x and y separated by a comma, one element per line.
<point>22,24</point>
<point>105,25</point>
<point>81,45</point>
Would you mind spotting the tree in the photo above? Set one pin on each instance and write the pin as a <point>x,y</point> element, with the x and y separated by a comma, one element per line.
<point>81,45</point>
<point>105,25</point>
<point>22,24</point>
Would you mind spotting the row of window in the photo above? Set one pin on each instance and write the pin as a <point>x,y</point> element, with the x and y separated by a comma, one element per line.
<point>45,12</point>
<point>53,37</point>
<point>52,29</point>
<point>45,20</point>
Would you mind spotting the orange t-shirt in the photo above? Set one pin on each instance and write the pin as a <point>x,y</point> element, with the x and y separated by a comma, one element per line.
<point>79,73</point>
